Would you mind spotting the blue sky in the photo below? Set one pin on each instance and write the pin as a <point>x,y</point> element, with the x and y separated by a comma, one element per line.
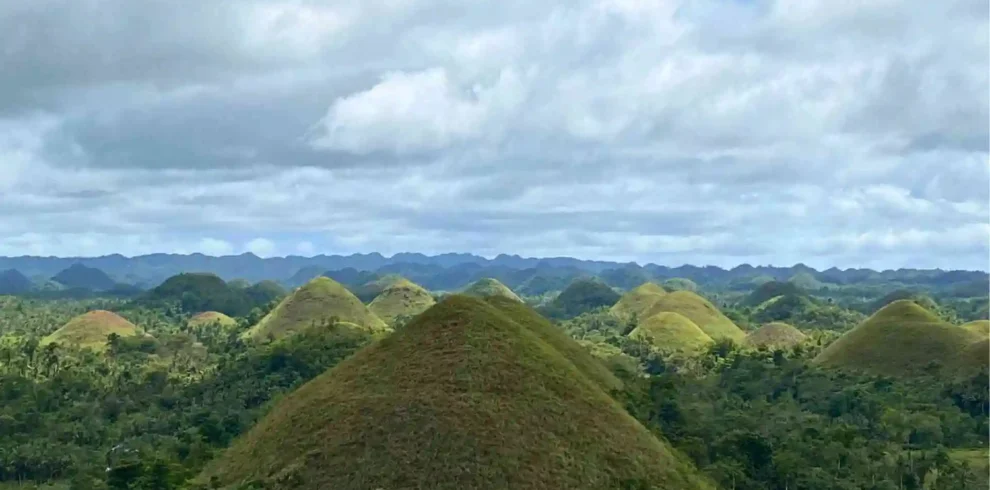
<point>705,132</point>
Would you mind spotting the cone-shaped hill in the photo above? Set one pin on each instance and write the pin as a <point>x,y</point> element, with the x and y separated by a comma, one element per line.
<point>314,303</point>
<point>638,300</point>
<point>90,330</point>
<point>208,318</point>
<point>700,311</point>
<point>581,296</point>
<point>465,397</point>
<point>402,298</point>
<point>981,327</point>
<point>484,288</point>
<point>775,334</point>
<point>671,332</point>
<point>901,339</point>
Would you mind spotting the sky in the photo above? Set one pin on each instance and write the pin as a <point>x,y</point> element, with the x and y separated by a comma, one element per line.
<point>832,133</point>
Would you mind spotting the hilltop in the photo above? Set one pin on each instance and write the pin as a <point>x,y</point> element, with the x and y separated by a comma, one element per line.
<point>901,339</point>
<point>670,331</point>
<point>402,298</point>
<point>13,282</point>
<point>195,292</point>
<point>775,334</point>
<point>80,276</point>
<point>581,296</point>
<point>90,330</point>
<point>315,303</point>
<point>770,290</point>
<point>208,318</point>
<point>700,311</point>
<point>638,301</point>
<point>486,287</point>
<point>680,284</point>
<point>467,396</point>
<point>981,327</point>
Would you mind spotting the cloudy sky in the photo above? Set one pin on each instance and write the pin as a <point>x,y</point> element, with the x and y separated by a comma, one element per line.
<point>847,133</point>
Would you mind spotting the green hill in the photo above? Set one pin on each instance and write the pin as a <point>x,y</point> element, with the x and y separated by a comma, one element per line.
<point>769,290</point>
<point>921,299</point>
<point>80,276</point>
<point>315,303</point>
<point>901,339</point>
<point>638,300</point>
<point>90,330</point>
<point>13,282</point>
<point>981,327</point>
<point>465,397</point>
<point>208,318</point>
<point>401,299</point>
<point>369,290</point>
<point>680,284</point>
<point>581,296</point>
<point>195,292</point>
<point>670,331</point>
<point>806,281</point>
<point>775,334</point>
<point>700,311</point>
<point>264,292</point>
<point>484,288</point>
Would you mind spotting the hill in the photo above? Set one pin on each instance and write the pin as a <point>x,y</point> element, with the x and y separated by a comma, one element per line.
<point>315,303</point>
<point>195,292</point>
<point>263,292</point>
<point>581,296</point>
<point>369,290</point>
<point>671,332</point>
<point>638,301</point>
<point>208,318</point>
<point>486,287</point>
<point>680,284</point>
<point>901,339</point>
<point>401,299</point>
<point>769,290</point>
<point>80,276</point>
<point>775,335</point>
<point>700,311</point>
<point>90,330</point>
<point>464,397</point>
<point>921,299</point>
<point>13,282</point>
<point>981,327</point>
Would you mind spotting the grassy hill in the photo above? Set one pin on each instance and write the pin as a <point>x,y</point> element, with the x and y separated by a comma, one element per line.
<point>581,296</point>
<point>80,276</point>
<point>981,327</point>
<point>90,330</point>
<point>700,311</point>
<point>314,303</point>
<point>208,318</point>
<point>680,284</point>
<point>638,300</point>
<point>769,290</point>
<point>775,334</point>
<point>13,282</point>
<point>901,339</point>
<point>670,331</point>
<point>401,299</point>
<point>484,288</point>
<point>195,292</point>
<point>467,396</point>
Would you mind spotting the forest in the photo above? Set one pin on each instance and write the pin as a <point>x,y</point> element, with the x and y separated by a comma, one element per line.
<point>755,382</point>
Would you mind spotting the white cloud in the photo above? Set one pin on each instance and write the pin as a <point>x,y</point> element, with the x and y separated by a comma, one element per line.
<point>306,248</point>
<point>213,246</point>
<point>261,247</point>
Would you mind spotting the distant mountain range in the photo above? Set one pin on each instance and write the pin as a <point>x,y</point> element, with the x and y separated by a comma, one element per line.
<point>448,271</point>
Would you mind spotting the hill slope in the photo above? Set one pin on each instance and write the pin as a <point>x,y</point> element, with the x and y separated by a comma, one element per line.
<point>90,330</point>
<point>207,318</point>
<point>402,298</point>
<point>13,282</point>
<point>195,292</point>
<point>462,398</point>
<point>700,311</point>
<point>80,276</point>
<point>775,334</point>
<point>483,288</point>
<point>981,327</point>
<point>900,339</point>
<point>638,300</point>
<point>581,296</point>
<point>314,303</point>
<point>670,331</point>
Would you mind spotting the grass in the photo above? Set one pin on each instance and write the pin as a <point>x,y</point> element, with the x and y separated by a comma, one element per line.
<point>90,330</point>
<point>671,332</point>
<point>775,335</point>
<point>901,339</point>
<point>700,311</point>
<point>680,284</point>
<point>484,288</point>
<point>637,301</point>
<point>981,327</point>
<point>208,318</point>
<point>467,396</point>
<point>976,458</point>
<point>401,299</point>
<point>315,303</point>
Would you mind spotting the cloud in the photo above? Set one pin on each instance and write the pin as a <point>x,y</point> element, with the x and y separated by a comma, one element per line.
<point>691,131</point>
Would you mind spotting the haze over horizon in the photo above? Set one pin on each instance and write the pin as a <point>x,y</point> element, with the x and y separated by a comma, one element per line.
<point>672,132</point>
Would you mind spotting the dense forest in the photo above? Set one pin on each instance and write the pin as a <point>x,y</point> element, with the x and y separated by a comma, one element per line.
<point>743,378</point>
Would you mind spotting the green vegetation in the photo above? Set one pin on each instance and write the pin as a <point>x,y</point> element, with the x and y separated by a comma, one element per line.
<point>670,331</point>
<point>80,276</point>
<point>484,288</point>
<point>981,327</point>
<point>320,302</point>
<point>770,290</point>
<point>901,339</point>
<point>466,396</point>
<point>400,301</point>
<point>91,330</point>
<point>13,282</point>
<point>638,301</point>
<point>211,318</point>
<point>775,335</point>
<point>196,292</point>
<point>700,311</point>
<point>680,284</point>
<point>581,296</point>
